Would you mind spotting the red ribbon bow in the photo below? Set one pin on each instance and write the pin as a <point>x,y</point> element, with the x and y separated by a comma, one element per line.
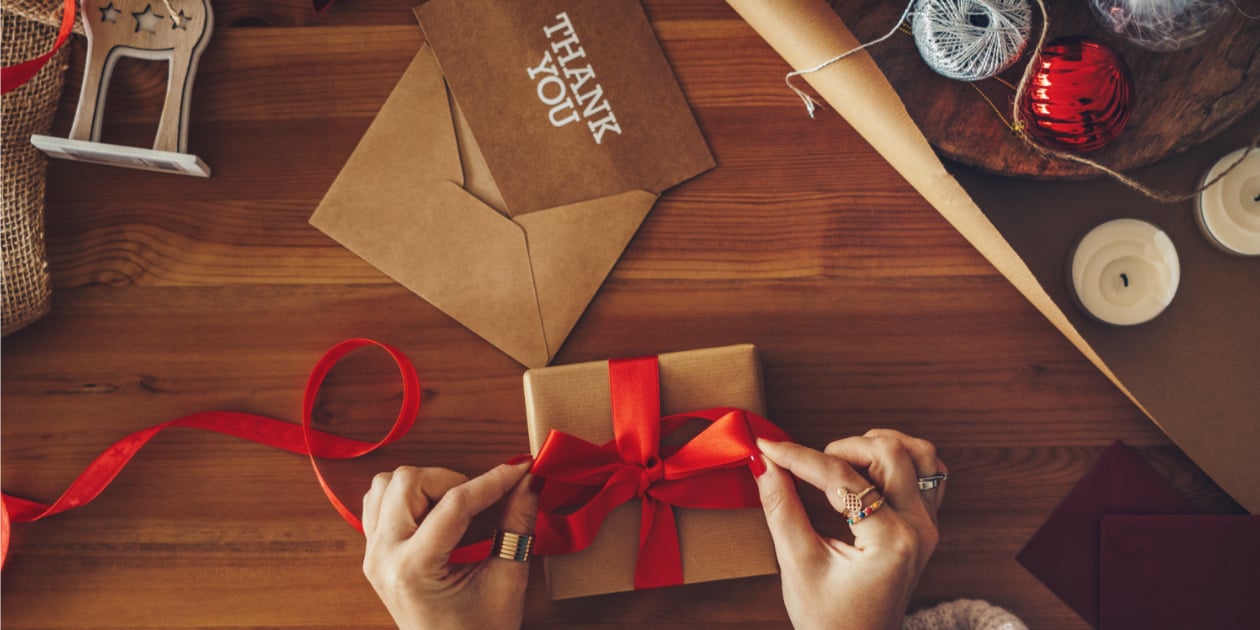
<point>585,482</point>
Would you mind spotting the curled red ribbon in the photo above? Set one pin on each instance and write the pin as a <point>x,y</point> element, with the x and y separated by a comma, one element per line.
<point>302,439</point>
<point>12,77</point>
<point>585,482</point>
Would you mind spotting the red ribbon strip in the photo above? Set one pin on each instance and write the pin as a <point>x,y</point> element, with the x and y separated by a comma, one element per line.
<point>12,77</point>
<point>585,482</point>
<point>280,434</point>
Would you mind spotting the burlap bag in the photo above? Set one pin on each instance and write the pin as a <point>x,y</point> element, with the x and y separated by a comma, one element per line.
<point>30,28</point>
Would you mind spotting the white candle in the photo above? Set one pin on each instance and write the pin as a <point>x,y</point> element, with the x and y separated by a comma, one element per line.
<point>1229,211</point>
<point>1125,272</point>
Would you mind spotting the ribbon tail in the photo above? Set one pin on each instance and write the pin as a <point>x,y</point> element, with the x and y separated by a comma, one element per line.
<point>660,555</point>
<point>472,552</point>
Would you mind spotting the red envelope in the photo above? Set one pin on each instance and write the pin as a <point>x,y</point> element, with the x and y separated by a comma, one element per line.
<point>1199,571</point>
<point>1064,553</point>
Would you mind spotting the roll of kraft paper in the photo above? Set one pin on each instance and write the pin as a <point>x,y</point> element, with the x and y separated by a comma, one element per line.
<point>807,33</point>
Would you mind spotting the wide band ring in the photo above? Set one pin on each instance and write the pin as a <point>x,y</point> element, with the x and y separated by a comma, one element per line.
<point>931,482</point>
<point>511,546</point>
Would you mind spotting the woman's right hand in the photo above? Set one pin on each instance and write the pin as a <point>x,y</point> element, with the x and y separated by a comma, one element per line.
<point>828,583</point>
<point>415,517</point>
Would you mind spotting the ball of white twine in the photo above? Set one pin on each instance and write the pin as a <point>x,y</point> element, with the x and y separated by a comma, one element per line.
<point>1163,25</point>
<point>970,40</point>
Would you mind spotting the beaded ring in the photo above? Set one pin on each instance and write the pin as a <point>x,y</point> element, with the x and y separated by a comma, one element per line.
<point>866,511</point>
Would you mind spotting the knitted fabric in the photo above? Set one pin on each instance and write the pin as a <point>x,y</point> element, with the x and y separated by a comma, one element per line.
<point>963,614</point>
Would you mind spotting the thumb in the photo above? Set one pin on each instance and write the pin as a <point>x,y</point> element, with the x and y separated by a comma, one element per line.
<point>795,541</point>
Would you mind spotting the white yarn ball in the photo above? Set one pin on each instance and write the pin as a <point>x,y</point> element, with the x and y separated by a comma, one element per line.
<point>1162,25</point>
<point>970,40</point>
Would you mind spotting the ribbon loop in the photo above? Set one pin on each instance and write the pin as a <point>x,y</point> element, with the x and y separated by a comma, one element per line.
<point>296,438</point>
<point>586,482</point>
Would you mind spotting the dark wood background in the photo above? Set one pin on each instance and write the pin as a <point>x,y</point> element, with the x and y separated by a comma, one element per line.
<point>1213,81</point>
<point>175,295</point>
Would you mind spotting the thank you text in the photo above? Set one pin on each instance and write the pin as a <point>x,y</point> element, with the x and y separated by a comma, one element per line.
<point>566,83</point>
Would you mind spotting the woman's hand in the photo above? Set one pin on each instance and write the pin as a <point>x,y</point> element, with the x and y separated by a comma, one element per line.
<point>828,583</point>
<point>415,517</point>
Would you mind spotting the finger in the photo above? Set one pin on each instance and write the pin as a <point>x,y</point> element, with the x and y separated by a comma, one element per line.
<point>522,508</point>
<point>450,517</point>
<point>407,499</point>
<point>518,517</point>
<point>795,541</point>
<point>372,502</point>
<point>822,471</point>
<point>887,463</point>
<point>926,462</point>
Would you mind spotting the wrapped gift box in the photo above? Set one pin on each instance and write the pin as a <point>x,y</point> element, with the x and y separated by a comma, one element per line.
<point>715,544</point>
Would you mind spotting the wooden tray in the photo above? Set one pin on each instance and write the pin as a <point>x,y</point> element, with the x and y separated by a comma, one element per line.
<point>1181,98</point>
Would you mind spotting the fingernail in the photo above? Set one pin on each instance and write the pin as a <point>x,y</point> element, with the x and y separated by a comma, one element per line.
<point>757,466</point>
<point>520,459</point>
<point>536,484</point>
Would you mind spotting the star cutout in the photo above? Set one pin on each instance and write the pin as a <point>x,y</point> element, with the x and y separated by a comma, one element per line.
<point>110,13</point>
<point>180,21</point>
<point>147,20</point>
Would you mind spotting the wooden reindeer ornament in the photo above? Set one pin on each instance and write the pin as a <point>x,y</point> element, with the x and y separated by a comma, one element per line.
<point>176,31</point>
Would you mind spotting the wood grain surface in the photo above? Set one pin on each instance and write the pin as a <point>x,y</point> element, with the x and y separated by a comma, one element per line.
<point>174,295</point>
<point>1179,100</point>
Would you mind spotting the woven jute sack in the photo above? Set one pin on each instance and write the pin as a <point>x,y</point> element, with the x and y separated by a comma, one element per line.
<point>30,28</point>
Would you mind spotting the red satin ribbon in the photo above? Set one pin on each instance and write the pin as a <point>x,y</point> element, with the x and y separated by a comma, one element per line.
<point>12,77</point>
<point>585,482</point>
<point>302,439</point>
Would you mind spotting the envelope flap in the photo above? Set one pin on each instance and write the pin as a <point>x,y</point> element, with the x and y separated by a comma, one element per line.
<point>412,137</point>
<point>449,248</point>
<point>572,249</point>
<point>569,100</point>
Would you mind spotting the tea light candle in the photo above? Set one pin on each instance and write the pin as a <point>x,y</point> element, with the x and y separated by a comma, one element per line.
<point>1125,272</point>
<point>1229,210</point>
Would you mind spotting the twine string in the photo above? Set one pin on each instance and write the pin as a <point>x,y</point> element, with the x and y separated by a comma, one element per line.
<point>174,17</point>
<point>970,40</point>
<point>810,104</point>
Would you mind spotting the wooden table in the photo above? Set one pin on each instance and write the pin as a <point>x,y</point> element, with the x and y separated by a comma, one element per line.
<point>175,295</point>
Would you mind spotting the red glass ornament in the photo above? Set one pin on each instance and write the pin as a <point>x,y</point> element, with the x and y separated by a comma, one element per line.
<point>1078,98</point>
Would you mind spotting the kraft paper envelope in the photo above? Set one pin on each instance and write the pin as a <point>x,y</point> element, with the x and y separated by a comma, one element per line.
<point>513,232</point>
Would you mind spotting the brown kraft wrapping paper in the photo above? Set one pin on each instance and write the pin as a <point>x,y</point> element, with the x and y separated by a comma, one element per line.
<point>716,544</point>
<point>1194,371</point>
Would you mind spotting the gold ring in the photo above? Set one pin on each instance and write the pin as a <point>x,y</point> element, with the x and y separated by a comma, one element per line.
<point>852,501</point>
<point>511,546</point>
